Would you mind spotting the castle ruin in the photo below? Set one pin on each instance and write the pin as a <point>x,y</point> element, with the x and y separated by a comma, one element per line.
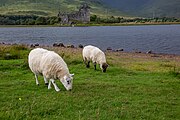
<point>83,15</point>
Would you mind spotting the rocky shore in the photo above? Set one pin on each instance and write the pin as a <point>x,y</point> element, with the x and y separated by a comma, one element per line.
<point>80,46</point>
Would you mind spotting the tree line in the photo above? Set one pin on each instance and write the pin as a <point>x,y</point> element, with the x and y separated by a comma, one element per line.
<point>112,19</point>
<point>27,20</point>
<point>39,20</point>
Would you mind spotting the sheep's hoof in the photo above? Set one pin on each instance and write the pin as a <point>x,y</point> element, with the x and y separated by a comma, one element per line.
<point>46,84</point>
<point>57,90</point>
<point>37,84</point>
<point>87,66</point>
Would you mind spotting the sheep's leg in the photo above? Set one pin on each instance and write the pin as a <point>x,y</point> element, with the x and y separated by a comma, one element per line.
<point>55,86</point>
<point>94,65</point>
<point>46,81</point>
<point>36,77</point>
<point>49,86</point>
<point>88,64</point>
<point>85,62</point>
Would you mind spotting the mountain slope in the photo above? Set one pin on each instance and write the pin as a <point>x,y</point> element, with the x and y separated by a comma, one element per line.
<point>147,8</point>
<point>161,8</point>
<point>141,8</point>
<point>51,7</point>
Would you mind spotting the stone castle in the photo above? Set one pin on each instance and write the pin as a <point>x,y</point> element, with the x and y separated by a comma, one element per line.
<point>83,15</point>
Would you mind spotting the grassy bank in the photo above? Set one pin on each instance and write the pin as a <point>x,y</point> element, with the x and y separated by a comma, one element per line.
<point>129,24</point>
<point>94,24</point>
<point>136,86</point>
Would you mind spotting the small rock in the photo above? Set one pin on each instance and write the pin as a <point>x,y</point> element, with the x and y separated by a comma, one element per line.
<point>109,48</point>
<point>149,52</point>
<point>70,46</point>
<point>58,45</point>
<point>61,45</point>
<point>55,45</point>
<point>120,49</point>
<point>32,46</point>
<point>36,44</point>
<point>80,46</point>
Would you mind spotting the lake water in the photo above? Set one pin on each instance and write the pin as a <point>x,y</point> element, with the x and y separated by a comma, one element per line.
<point>158,38</point>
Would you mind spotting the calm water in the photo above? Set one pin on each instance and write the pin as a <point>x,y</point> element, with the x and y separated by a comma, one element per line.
<point>158,38</point>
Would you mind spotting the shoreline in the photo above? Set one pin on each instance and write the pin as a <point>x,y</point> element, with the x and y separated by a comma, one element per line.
<point>72,47</point>
<point>91,24</point>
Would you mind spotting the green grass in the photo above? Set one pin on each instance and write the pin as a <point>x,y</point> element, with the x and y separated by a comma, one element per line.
<point>124,92</point>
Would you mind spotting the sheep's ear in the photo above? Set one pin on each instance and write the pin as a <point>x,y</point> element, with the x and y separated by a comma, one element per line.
<point>107,65</point>
<point>72,75</point>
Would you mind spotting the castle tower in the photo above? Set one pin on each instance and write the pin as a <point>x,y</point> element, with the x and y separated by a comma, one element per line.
<point>82,15</point>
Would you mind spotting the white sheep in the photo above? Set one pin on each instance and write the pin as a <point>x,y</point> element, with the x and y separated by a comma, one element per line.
<point>51,66</point>
<point>96,55</point>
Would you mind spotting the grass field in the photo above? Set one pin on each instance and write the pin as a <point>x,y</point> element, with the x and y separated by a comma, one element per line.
<point>136,86</point>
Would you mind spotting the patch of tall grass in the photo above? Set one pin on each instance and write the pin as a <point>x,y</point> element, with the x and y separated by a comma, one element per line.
<point>8,52</point>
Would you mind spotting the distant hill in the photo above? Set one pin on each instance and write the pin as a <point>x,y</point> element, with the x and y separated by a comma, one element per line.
<point>146,8</point>
<point>141,8</point>
<point>51,7</point>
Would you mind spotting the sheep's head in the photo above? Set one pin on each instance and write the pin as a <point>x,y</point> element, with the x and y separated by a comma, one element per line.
<point>104,67</point>
<point>67,81</point>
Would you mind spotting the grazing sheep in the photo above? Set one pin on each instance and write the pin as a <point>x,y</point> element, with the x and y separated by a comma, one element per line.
<point>96,55</point>
<point>51,66</point>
